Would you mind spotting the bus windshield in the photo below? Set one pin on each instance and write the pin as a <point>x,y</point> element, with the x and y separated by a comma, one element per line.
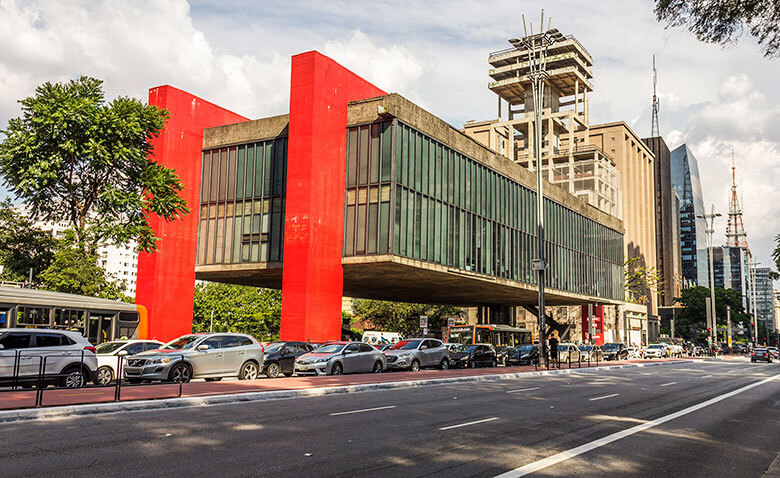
<point>462,336</point>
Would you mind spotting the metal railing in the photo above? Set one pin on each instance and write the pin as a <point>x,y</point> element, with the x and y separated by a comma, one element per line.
<point>21,382</point>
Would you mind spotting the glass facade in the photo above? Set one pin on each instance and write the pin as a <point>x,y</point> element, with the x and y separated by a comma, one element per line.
<point>412,195</point>
<point>242,203</point>
<point>686,183</point>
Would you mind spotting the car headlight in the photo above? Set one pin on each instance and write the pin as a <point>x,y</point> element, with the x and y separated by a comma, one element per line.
<point>323,359</point>
<point>160,360</point>
<point>405,354</point>
<point>524,356</point>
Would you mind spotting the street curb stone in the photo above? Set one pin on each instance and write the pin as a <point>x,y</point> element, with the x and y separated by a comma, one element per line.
<point>185,402</point>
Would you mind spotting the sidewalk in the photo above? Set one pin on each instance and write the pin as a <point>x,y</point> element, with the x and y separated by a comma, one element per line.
<point>63,403</point>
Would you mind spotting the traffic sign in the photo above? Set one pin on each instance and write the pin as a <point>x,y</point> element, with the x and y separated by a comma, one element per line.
<point>423,321</point>
<point>451,322</point>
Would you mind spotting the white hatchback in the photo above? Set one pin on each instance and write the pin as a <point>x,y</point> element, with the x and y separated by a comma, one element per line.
<point>69,358</point>
<point>110,353</point>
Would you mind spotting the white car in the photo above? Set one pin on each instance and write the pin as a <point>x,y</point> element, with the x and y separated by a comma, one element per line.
<point>634,353</point>
<point>69,358</point>
<point>655,351</point>
<point>110,353</point>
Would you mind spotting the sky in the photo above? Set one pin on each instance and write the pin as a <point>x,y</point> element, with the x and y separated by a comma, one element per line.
<point>237,54</point>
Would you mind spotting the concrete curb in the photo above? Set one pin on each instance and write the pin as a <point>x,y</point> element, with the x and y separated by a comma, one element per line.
<point>185,402</point>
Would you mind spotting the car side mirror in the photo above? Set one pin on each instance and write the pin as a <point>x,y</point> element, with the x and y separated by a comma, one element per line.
<point>424,347</point>
<point>122,353</point>
<point>202,347</point>
<point>346,352</point>
<point>2,347</point>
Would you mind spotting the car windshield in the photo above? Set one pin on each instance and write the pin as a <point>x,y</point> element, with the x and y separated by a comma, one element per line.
<point>329,349</point>
<point>610,346</point>
<point>655,346</point>
<point>274,347</point>
<point>182,343</point>
<point>472,348</point>
<point>406,345</point>
<point>586,347</point>
<point>526,348</point>
<point>563,348</point>
<point>457,348</point>
<point>109,347</point>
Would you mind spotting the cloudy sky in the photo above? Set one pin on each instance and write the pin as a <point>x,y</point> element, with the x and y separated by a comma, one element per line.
<point>237,54</point>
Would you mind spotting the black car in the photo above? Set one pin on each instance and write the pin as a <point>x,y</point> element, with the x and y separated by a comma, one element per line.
<point>458,355</point>
<point>761,354</point>
<point>501,353</point>
<point>523,355</point>
<point>614,351</point>
<point>280,357</point>
<point>481,355</point>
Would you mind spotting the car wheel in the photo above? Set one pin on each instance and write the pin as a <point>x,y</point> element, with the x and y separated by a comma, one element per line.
<point>415,367</point>
<point>213,379</point>
<point>180,374</point>
<point>444,365</point>
<point>73,377</point>
<point>377,367</point>
<point>273,369</point>
<point>337,369</point>
<point>249,371</point>
<point>104,376</point>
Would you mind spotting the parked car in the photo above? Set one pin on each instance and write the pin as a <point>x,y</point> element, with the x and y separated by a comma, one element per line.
<point>775,352</point>
<point>481,355</point>
<point>655,351</point>
<point>280,357</point>
<point>567,352</point>
<point>501,353</point>
<point>458,355</point>
<point>69,358</point>
<point>210,356</point>
<point>414,354</point>
<point>591,352</point>
<point>761,354</point>
<point>336,358</point>
<point>523,355</point>
<point>379,338</point>
<point>634,352</point>
<point>614,351</point>
<point>110,353</point>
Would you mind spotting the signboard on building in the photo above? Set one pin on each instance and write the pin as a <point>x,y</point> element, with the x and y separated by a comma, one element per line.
<point>598,324</point>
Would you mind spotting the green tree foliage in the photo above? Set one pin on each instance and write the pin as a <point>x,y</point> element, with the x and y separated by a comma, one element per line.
<point>71,157</point>
<point>723,22</point>
<point>403,317</point>
<point>691,321</point>
<point>248,310</point>
<point>641,281</point>
<point>76,271</point>
<point>776,255</point>
<point>22,246</point>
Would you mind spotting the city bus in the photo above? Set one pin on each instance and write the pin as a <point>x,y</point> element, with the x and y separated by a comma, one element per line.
<point>99,320</point>
<point>498,335</point>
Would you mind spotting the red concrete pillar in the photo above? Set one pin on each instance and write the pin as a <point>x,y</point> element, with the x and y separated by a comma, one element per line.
<point>312,280</point>
<point>165,283</point>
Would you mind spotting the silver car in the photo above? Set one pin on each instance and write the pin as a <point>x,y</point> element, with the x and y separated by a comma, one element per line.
<point>336,358</point>
<point>414,354</point>
<point>208,356</point>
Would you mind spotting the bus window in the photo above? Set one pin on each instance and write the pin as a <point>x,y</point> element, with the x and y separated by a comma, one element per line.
<point>484,336</point>
<point>33,316</point>
<point>462,335</point>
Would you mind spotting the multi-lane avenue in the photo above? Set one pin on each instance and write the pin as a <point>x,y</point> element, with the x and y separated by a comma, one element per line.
<point>690,419</point>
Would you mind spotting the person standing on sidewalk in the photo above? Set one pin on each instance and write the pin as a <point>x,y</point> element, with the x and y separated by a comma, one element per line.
<point>554,350</point>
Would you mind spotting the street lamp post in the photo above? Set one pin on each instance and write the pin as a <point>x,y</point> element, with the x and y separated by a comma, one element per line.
<point>536,47</point>
<point>710,221</point>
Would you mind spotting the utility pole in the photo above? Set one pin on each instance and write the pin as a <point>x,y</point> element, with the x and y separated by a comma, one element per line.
<point>710,220</point>
<point>728,324</point>
<point>536,47</point>
<point>211,324</point>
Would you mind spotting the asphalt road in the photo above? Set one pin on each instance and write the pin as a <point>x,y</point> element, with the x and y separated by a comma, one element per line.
<point>470,429</point>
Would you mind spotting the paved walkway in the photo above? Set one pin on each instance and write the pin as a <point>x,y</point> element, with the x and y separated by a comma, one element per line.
<point>51,397</point>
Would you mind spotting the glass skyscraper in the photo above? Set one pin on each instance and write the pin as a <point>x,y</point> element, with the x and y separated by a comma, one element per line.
<point>693,239</point>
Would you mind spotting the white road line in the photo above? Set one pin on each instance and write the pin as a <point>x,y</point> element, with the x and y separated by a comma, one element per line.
<point>605,396</point>
<point>667,384</point>
<point>362,410</point>
<point>707,376</point>
<point>469,423</point>
<point>565,455</point>
<point>522,390</point>
<point>648,373</point>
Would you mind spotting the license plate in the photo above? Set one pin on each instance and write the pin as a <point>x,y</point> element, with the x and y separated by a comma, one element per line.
<point>304,367</point>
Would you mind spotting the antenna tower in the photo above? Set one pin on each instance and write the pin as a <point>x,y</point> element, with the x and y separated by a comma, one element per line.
<point>654,130</point>
<point>735,231</point>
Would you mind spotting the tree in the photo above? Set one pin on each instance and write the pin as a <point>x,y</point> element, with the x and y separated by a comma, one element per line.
<point>723,22</point>
<point>22,246</point>
<point>71,157</point>
<point>403,317</point>
<point>691,320</point>
<point>76,271</point>
<point>776,254</point>
<point>249,310</point>
<point>641,281</point>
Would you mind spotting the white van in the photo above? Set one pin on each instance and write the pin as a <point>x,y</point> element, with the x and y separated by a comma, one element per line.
<point>377,338</point>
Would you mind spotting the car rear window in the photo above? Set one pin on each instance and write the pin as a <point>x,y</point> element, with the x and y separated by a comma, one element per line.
<point>18,340</point>
<point>50,340</point>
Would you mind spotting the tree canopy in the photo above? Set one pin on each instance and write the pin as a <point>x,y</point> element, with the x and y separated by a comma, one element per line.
<point>71,157</point>
<point>403,317</point>
<point>22,246</point>
<point>723,22</point>
<point>248,310</point>
<point>691,321</point>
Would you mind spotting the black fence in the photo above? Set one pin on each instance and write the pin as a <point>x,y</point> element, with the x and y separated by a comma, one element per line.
<point>29,375</point>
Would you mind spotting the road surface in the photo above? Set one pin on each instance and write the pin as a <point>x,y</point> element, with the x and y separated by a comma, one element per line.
<point>691,419</point>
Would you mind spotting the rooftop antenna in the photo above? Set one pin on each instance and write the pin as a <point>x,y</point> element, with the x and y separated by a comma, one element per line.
<point>654,129</point>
